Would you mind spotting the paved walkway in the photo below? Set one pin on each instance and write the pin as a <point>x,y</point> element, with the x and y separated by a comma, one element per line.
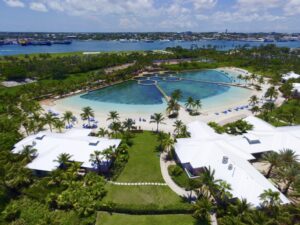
<point>137,183</point>
<point>178,190</point>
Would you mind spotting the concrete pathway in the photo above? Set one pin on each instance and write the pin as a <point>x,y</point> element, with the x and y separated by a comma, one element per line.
<point>178,190</point>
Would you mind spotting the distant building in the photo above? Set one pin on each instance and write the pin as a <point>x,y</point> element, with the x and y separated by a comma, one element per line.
<point>290,75</point>
<point>230,156</point>
<point>75,142</point>
<point>296,89</point>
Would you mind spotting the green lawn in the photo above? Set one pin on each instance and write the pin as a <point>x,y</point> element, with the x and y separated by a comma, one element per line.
<point>143,164</point>
<point>160,196</point>
<point>181,179</point>
<point>104,218</point>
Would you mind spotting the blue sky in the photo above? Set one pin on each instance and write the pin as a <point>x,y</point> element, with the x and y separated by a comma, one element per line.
<point>150,15</point>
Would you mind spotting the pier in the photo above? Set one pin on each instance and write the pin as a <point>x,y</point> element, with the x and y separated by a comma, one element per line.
<point>162,92</point>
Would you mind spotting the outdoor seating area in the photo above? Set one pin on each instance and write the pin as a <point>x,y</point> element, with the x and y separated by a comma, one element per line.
<point>238,108</point>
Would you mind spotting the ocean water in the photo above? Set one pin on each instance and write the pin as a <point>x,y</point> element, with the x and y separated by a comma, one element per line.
<point>130,96</point>
<point>107,46</point>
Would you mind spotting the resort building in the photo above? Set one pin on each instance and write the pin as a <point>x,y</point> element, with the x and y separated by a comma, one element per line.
<point>230,156</point>
<point>290,75</point>
<point>296,89</point>
<point>75,142</point>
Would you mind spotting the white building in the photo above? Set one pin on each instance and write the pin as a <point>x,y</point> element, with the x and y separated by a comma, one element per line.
<point>229,155</point>
<point>290,75</point>
<point>75,142</point>
<point>296,89</point>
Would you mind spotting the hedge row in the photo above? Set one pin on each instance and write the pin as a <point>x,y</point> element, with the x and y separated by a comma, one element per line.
<point>145,210</point>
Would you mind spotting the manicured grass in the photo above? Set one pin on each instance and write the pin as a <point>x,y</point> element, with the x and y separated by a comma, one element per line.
<point>181,178</point>
<point>160,196</point>
<point>143,164</point>
<point>104,218</point>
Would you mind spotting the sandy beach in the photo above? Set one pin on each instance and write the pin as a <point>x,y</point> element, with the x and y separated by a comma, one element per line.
<point>142,119</point>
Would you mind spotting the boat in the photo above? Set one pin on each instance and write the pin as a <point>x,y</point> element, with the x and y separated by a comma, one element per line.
<point>62,42</point>
<point>269,40</point>
<point>48,43</point>
<point>23,42</point>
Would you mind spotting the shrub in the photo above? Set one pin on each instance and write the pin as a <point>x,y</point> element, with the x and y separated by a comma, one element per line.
<point>175,171</point>
<point>147,209</point>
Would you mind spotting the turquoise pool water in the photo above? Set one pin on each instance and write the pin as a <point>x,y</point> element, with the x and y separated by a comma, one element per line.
<point>143,96</point>
<point>145,91</point>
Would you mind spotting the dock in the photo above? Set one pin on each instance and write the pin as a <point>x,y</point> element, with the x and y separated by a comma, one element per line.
<point>162,92</point>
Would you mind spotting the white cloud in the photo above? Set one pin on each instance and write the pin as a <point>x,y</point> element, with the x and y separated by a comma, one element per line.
<point>129,23</point>
<point>204,4</point>
<point>257,5</point>
<point>38,6</point>
<point>14,3</point>
<point>292,7</point>
<point>55,5</point>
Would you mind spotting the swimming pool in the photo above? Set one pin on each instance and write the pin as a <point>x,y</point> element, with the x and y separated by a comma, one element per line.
<point>146,94</point>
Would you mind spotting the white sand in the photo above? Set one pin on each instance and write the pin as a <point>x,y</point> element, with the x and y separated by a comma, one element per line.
<point>206,114</point>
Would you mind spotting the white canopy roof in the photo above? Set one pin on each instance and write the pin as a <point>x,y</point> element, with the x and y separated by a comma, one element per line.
<point>205,148</point>
<point>296,87</point>
<point>290,75</point>
<point>75,142</point>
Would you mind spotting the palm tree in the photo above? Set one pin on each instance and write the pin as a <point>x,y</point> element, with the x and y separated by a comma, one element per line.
<point>176,95</point>
<point>268,106</point>
<point>102,132</point>
<point>184,133</point>
<point>167,143</point>
<point>209,181</point>
<point>255,109</point>
<point>271,93</point>
<point>242,207</point>
<point>253,77</point>
<point>67,117</point>
<point>261,80</point>
<point>95,159</point>
<point>157,118</point>
<point>109,153</point>
<point>288,156</point>
<point>63,159</point>
<point>59,125</point>
<point>270,198</point>
<point>273,159</point>
<point>173,107</point>
<point>29,153</point>
<point>202,210</point>
<point>49,119</point>
<point>197,105</point>
<point>113,115</point>
<point>253,100</point>
<point>178,125</point>
<point>87,114</point>
<point>189,103</point>
<point>223,191</point>
<point>115,127</point>
<point>290,174</point>
<point>128,124</point>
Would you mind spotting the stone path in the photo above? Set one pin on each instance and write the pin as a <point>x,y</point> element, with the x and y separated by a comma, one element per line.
<point>137,183</point>
<point>178,190</point>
